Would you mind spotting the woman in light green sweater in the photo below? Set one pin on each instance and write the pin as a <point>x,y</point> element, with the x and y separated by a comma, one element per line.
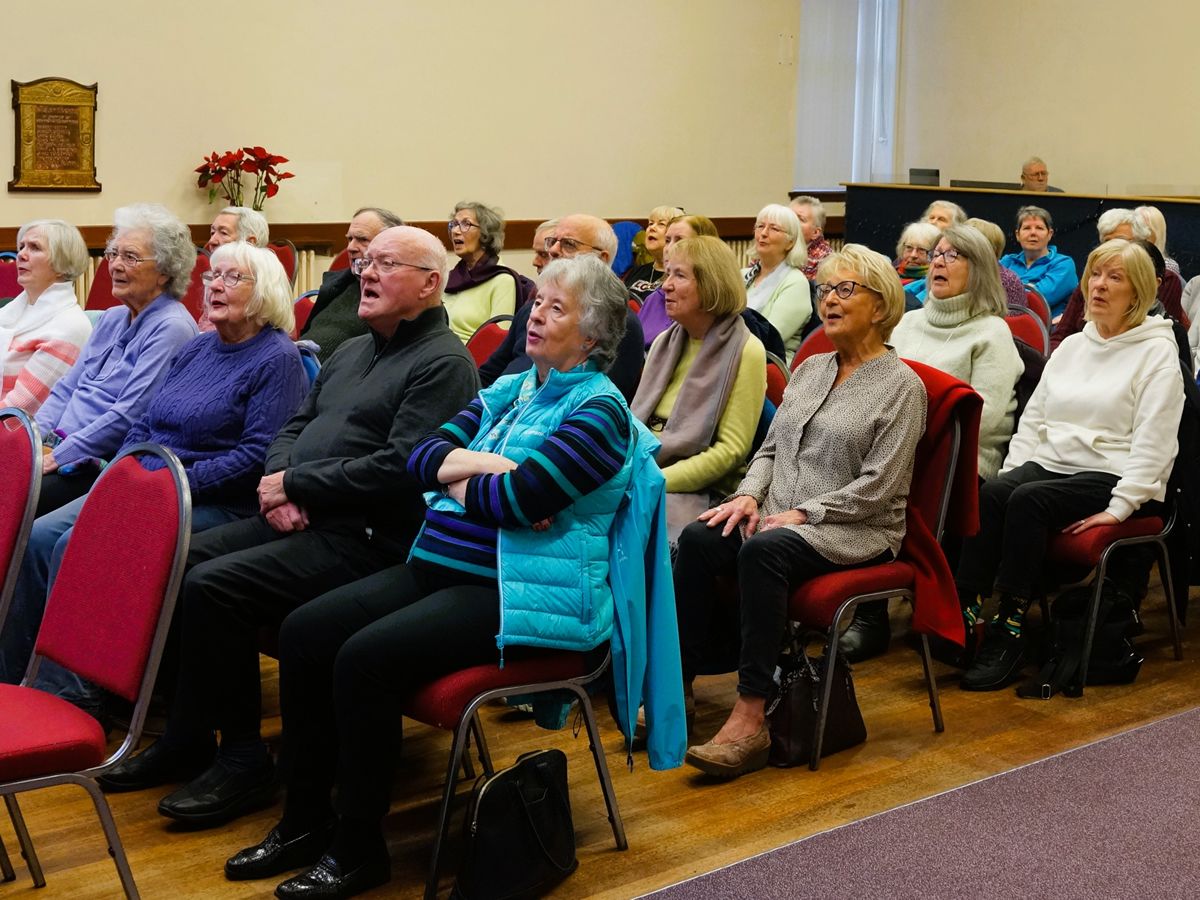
<point>775,284</point>
<point>704,381</point>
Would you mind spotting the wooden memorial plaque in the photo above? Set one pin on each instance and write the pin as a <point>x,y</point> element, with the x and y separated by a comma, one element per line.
<point>56,136</point>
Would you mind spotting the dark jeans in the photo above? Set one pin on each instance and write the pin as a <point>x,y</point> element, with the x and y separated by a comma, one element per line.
<point>1018,512</point>
<point>767,567</point>
<point>241,577</point>
<point>348,658</point>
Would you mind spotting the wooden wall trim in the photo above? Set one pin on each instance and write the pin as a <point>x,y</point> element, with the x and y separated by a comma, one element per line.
<point>327,238</point>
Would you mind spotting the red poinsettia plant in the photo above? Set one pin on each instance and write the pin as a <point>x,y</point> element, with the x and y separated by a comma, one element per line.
<point>222,174</point>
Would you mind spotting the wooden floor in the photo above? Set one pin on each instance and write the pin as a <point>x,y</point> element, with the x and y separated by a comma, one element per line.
<point>678,824</point>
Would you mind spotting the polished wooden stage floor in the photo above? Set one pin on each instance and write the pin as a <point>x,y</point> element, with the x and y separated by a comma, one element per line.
<point>678,824</point>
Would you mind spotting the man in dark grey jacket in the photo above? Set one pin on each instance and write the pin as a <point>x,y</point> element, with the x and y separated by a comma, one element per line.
<point>336,505</point>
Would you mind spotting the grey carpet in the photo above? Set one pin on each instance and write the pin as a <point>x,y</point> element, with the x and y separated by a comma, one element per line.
<point>1116,818</point>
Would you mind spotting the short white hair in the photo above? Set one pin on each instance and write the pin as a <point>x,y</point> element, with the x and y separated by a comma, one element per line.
<point>1112,219</point>
<point>250,224</point>
<point>65,246</point>
<point>271,301</point>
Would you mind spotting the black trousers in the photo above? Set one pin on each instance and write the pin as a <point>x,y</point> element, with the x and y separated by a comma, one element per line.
<point>1018,511</point>
<point>767,567</point>
<point>59,490</point>
<point>241,577</point>
<point>348,658</point>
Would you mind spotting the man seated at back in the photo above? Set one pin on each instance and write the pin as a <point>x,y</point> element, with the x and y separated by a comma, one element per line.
<point>334,317</point>
<point>573,235</point>
<point>1035,176</point>
<point>336,504</point>
<point>233,223</point>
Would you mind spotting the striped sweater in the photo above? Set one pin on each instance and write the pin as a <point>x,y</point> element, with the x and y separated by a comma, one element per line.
<point>584,452</point>
<point>39,344</point>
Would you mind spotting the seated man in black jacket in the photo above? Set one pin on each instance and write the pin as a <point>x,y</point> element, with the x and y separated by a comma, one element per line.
<point>336,505</point>
<point>573,235</point>
<point>334,316</point>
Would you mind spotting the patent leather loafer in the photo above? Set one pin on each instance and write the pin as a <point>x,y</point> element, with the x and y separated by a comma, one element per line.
<point>274,855</point>
<point>154,766</point>
<point>327,881</point>
<point>219,794</point>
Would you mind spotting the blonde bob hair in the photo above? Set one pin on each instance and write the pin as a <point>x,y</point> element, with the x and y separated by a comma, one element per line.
<point>872,270</point>
<point>271,301</point>
<point>1139,269</point>
<point>718,278</point>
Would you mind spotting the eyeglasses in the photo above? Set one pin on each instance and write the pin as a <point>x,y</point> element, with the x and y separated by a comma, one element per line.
<point>128,258</point>
<point>947,256</point>
<point>460,225</point>
<point>231,279</point>
<point>382,264</point>
<point>910,248</point>
<point>769,227</point>
<point>843,289</point>
<point>569,245</point>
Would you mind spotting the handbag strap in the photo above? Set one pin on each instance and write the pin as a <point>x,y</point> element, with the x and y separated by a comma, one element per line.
<point>548,776</point>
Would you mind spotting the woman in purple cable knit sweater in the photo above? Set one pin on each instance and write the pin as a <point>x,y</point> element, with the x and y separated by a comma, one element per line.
<point>226,395</point>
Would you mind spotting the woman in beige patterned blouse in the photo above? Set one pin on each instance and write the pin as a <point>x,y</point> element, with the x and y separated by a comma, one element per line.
<point>826,491</point>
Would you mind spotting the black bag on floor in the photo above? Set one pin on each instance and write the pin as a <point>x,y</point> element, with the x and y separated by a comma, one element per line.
<point>792,713</point>
<point>1114,659</point>
<point>519,836</point>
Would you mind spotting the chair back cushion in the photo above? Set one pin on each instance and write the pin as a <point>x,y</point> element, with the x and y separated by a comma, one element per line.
<point>103,610</point>
<point>817,342</point>
<point>193,298</point>
<point>487,338</point>
<point>1025,325</point>
<point>777,379</point>
<point>100,295</point>
<point>17,478</point>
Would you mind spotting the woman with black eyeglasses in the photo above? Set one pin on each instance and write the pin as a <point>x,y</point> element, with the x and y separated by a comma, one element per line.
<point>826,491</point>
<point>479,288</point>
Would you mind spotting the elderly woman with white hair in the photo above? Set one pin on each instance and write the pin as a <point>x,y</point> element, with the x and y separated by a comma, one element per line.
<point>826,491</point>
<point>1038,263</point>
<point>943,214</point>
<point>84,420</point>
<point>917,240</point>
<point>775,283</point>
<point>522,486</point>
<point>1156,222</point>
<point>478,288</point>
<point>42,329</point>
<point>224,398</point>
<point>1096,445</point>
<point>811,213</point>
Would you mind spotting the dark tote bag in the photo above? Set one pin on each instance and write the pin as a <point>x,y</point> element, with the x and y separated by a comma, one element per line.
<point>520,839</point>
<point>792,713</point>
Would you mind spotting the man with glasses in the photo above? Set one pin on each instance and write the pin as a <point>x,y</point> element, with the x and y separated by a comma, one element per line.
<point>1035,176</point>
<point>336,505</point>
<point>334,317</point>
<point>573,235</point>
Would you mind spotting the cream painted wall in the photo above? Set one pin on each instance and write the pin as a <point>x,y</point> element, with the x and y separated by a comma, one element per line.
<point>1103,90</point>
<point>539,107</point>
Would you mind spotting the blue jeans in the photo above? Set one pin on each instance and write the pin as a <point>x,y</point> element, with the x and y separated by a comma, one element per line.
<point>43,556</point>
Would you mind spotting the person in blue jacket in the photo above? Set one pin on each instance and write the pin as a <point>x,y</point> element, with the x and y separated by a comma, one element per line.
<point>522,490</point>
<point>1038,264</point>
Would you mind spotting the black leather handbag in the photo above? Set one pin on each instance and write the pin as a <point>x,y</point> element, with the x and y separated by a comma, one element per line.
<point>520,839</point>
<point>792,713</point>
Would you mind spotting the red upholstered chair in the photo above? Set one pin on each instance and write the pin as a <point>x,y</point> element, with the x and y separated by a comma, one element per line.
<point>9,286</point>
<point>635,304</point>
<point>453,701</point>
<point>817,342</point>
<point>100,295</point>
<point>1093,549</point>
<point>1039,305</point>
<point>20,483</point>
<point>1026,324</point>
<point>488,337</point>
<point>286,251</point>
<point>777,378</point>
<point>302,309</point>
<point>826,602</point>
<point>193,298</point>
<point>341,261</point>
<point>106,620</point>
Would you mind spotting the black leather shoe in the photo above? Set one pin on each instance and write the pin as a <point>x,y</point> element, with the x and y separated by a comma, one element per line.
<point>220,793</point>
<point>327,881</point>
<point>868,635</point>
<point>154,766</point>
<point>275,855</point>
<point>998,661</point>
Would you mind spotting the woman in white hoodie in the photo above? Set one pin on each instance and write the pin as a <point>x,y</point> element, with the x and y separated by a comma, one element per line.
<point>1095,445</point>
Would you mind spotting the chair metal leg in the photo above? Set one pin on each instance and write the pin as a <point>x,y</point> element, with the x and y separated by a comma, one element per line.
<point>485,757</point>
<point>115,848</point>
<point>831,647</point>
<point>6,869</point>
<point>606,785</point>
<point>1164,571</point>
<point>457,748</point>
<point>27,851</point>
<point>934,702</point>
<point>1089,634</point>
